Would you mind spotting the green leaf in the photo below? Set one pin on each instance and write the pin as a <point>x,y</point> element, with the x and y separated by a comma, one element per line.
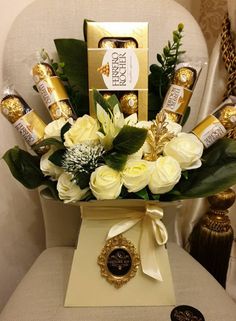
<point>98,98</point>
<point>57,157</point>
<point>49,142</point>
<point>113,101</point>
<point>115,160</point>
<point>82,179</point>
<point>73,53</point>
<point>143,194</point>
<point>159,59</point>
<point>51,188</point>
<point>129,140</point>
<point>64,129</point>
<point>24,167</point>
<point>186,116</point>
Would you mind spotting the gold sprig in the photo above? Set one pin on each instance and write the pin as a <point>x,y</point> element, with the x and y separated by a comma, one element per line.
<point>157,137</point>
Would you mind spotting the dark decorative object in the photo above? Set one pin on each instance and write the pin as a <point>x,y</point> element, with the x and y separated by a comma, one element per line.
<point>212,237</point>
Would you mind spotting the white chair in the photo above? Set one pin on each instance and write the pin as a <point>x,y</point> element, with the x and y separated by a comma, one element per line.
<point>40,295</point>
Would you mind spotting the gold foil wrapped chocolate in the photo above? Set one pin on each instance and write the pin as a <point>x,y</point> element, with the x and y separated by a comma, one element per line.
<point>227,116</point>
<point>217,125</point>
<point>106,95</point>
<point>184,77</point>
<point>60,109</point>
<point>129,43</point>
<point>52,91</point>
<point>181,89</point>
<point>129,103</point>
<point>23,118</point>
<point>107,43</point>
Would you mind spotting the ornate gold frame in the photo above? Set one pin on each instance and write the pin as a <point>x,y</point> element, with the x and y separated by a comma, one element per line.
<point>118,242</point>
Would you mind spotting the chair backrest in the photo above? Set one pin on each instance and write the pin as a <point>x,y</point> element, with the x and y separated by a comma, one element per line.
<point>43,21</point>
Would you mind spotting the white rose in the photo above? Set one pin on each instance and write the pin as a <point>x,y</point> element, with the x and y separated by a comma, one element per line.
<point>48,168</point>
<point>105,183</point>
<point>166,173</point>
<point>136,175</point>
<point>186,149</point>
<point>173,127</point>
<point>53,129</point>
<point>84,129</point>
<point>68,191</point>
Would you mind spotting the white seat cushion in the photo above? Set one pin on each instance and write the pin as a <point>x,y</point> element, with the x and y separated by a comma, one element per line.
<point>40,295</point>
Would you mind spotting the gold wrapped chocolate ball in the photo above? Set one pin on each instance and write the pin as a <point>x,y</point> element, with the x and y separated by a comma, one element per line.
<point>228,116</point>
<point>42,71</point>
<point>12,108</point>
<point>60,109</point>
<point>184,77</point>
<point>107,96</point>
<point>173,116</point>
<point>129,103</point>
<point>107,43</point>
<point>129,44</point>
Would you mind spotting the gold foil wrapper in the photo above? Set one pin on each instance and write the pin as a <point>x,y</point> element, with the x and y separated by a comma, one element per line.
<point>107,96</point>
<point>60,109</point>
<point>42,71</point>
<point>227,116</point>
<point>129,103</point>
<point>12,108</point>
<point>129,44</point>
<point>107,43</point>
<point>184,77</point>
<point>173,116</point>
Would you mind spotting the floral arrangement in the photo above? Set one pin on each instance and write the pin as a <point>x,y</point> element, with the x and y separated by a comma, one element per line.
<point>114,157</point>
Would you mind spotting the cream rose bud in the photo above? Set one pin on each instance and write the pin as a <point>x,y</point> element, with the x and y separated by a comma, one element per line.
<point>173,127</point>
<point>53,129</point>
<point>186,149</point>
<point>136,175</point>
<point>69,191</point>
<point>166,173</point>
<point>84,129</point>
<point>105,183</point>
<point>48,168</point>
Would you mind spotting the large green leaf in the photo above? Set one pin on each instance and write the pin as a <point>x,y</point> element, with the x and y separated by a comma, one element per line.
<point>24,167</point>
<point>98,98</point>
<point>116,160</point>
<point>73,53</point>
<point>129,140</point>
<point>57,157</point>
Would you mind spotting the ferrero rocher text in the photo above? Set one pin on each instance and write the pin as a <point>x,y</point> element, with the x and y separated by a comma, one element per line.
<point>118,64</point>
<point>23,118</point>
<point>52,91</point>
<point>180,91</point>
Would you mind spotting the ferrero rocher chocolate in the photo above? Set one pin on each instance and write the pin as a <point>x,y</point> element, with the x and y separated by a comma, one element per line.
<point>227,116</point>
<point>23,118</point>
<point>216,125</point>
<point>129,43</point>
<point>106,95</point>
<point>184,77</point>
<point>181,89</point>
<point>117,65</point>
<point>129,103</point>
<point>52,91</point>
<point>107,43</point>
<point>60,109</point>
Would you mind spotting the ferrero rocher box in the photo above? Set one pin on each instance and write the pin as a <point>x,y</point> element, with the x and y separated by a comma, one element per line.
<point>111,272</point>
<point>118,64</point>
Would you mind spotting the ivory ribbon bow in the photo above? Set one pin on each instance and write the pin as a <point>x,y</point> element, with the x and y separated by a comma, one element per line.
<point>153,231</point>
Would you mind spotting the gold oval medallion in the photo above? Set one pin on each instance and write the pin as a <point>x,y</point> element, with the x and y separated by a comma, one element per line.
<point>118,261</point>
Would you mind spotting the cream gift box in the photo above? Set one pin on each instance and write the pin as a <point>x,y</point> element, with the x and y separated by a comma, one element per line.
<point>87,287</point>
